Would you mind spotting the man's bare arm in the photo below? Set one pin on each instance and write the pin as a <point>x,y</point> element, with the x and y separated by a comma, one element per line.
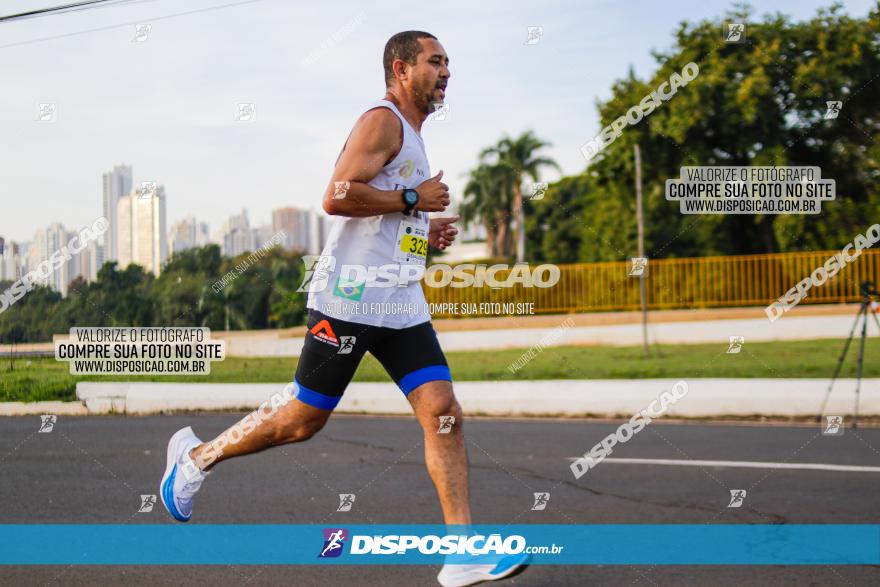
<point>375,140</point>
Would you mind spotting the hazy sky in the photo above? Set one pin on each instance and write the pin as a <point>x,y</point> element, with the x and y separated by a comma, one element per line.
<point>166,105</point>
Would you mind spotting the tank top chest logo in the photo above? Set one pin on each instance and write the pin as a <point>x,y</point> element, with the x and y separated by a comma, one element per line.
<point>407,168</point>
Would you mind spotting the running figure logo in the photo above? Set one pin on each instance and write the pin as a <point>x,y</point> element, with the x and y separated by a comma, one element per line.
<point>334,541</point>
<point>833,109</point>
<point>346,345</point>
<point>446,423</point>
<point>537,190</point>
<point>141,32</point>
<point>317,272</point>
<point>736,343</point>
<point>245,112</point>
<point>833,426</point>
<point>534,35</point>
<point>735,32</point>
<point>148,190</point>
<point>346,501</point>
<point>46,112</point>
<point>639,264</point>
<point>47,423</point>
<point>737,496</point>
<point>340,189</point>
<point>541,500</point>
<point>439,111</point>
<point>147,503</point>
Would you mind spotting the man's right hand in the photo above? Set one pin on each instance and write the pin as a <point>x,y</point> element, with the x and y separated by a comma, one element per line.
<point>433,195</point>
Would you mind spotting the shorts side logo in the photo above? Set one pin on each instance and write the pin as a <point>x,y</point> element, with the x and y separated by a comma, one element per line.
<point>324,332</point>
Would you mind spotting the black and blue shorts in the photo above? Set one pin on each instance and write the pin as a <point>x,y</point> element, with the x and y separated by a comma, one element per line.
<point>333,350</point>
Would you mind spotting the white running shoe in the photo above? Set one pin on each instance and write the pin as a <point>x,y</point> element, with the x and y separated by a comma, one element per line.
<point>452,575</point>
<point>182,477</point>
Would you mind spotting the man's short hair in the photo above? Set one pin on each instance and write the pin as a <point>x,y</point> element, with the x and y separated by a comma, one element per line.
<point>404,46</point>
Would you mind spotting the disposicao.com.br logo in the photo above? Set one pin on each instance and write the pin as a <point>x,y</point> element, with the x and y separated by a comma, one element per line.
<point>450,544</point>
<point>319,271</point>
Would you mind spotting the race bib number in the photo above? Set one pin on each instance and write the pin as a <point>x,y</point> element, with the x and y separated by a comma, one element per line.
<point>411,246</point>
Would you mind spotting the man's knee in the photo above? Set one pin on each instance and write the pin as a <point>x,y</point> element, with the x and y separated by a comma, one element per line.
<point>438,403</point>
<point>296,430</point>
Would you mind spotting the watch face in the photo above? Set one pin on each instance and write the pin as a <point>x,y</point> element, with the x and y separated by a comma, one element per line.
<point>410,196</point>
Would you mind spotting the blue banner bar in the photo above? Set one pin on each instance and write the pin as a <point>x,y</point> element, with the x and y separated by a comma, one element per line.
<point>275,544</point>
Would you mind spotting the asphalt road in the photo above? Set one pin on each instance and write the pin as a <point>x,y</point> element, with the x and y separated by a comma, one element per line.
<point>94,469</point>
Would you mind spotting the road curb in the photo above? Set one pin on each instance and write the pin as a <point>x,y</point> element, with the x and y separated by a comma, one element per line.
<point>40,408</point>
<point>706,398</point>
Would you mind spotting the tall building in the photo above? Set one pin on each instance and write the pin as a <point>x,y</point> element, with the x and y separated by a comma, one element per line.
<point>297,226</point>
<point>318,229</point>
<point>23,256</point>
<point>46,242</point>
<point>237,235</point>
<point>187,234</point>
<point>263,236</point>
<point>141,230</point>
<point>117,185</point>
<point>92,259</point>
<point>10,262</point>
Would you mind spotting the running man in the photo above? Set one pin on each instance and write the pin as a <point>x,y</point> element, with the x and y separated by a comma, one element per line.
<point>380,195</point>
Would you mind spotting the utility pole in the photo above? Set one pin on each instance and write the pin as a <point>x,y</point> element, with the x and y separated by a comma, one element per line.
<point>640,220</point>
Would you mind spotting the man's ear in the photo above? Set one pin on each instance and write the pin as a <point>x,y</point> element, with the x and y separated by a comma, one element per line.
<point>400,69</point>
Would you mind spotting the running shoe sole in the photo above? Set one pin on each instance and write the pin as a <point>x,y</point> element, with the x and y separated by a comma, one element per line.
<point>166,488</point>
<point>515,568</point>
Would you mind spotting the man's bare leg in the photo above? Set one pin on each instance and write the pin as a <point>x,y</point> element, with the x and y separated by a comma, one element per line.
<point>293,422</point>
<point>445,454</point>
<point>446,458</point>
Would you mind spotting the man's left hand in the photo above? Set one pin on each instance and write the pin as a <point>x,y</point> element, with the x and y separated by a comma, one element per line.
<point>442,233</point>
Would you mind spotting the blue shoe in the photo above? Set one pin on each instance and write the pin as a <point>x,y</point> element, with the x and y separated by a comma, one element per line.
<point>182,478</point>
<point>452,575</point>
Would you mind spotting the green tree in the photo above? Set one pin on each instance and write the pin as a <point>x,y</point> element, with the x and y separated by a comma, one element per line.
<point>761,102</point>
<point>287,307</point>
<point>487,199</point>
<point>556,226</point>
<point>184,290</point>
<point>34,316</point>
<point>258,291</point>
<point>122,298</point>
<point>518,156</point>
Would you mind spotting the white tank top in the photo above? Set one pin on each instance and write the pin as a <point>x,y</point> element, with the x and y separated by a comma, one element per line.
<point>393,240</point>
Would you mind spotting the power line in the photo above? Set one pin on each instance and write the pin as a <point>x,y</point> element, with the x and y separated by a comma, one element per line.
<point>125,24</point>
<point>51,10</point>
<point>113,4</point>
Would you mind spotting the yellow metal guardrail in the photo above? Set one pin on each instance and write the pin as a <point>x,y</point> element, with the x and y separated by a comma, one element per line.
<point>699,282</point>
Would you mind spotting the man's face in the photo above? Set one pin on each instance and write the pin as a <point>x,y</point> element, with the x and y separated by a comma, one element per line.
<point>428,77</point>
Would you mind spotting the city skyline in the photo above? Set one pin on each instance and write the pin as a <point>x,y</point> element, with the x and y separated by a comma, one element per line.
<point>114,177</point>
<point>138,233</point>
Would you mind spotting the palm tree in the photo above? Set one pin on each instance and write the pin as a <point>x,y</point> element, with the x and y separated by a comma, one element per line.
<point>518,156</point>
<point>487,196</point>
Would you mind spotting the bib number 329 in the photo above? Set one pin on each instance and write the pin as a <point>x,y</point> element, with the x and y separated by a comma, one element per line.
<point>412,242</point>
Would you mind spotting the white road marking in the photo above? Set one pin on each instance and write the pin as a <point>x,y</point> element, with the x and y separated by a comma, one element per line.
<point>741,464</point>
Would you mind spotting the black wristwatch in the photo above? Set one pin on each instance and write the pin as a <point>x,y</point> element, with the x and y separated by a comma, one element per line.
<point>410,199</point>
